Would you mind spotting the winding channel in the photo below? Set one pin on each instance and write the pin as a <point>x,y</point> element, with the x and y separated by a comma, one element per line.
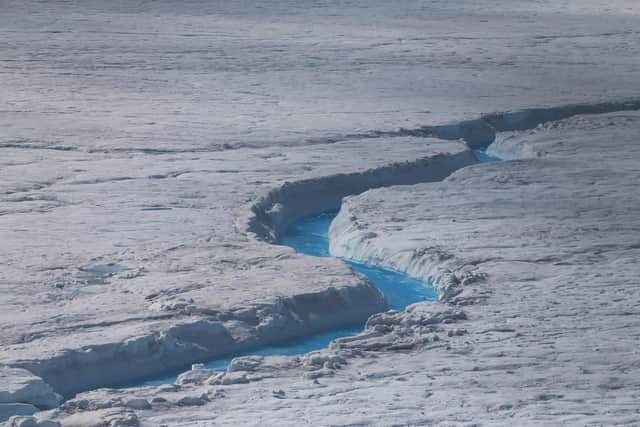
<point>310,236</point>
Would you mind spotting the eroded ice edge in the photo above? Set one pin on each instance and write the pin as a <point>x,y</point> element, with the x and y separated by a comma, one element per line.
<point>284,206</point>
<point>310,234</point>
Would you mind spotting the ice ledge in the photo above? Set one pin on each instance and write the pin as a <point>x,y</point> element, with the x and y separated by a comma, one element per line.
<point>23,393</point>
<point>482,131</point>
<point>291,201</point>
<point>351,239</point>
<point>200,339</point>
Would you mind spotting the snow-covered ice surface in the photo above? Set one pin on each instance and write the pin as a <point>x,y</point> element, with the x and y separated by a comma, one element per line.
<point>542,254</point>
<point>542,331</point>
<point>186,257</point>
<point>144,154</point>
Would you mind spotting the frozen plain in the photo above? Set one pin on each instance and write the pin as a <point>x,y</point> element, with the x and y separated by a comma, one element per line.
<point>144,153</point>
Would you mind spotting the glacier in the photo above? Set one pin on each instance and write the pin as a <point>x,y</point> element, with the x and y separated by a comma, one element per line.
<point>153,154</point>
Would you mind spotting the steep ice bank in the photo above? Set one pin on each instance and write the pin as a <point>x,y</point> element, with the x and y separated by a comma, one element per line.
<point>351,239</point>
<point>295,200</point>
<point>310,236</point>
<point>349,242</point>
<point>481,132</point>
<point>180,345</point>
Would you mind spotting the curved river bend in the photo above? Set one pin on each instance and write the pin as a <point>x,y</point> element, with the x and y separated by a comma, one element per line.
<point>310,236</point>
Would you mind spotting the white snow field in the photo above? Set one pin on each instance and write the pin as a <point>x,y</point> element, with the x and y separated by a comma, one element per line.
<point>152,152</point>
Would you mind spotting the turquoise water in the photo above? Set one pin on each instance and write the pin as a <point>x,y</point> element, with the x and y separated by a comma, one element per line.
<point>483,157</point>
<point>293,348</point>
<point>311,236</point>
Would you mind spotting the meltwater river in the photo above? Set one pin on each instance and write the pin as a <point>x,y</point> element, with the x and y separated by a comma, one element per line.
<point>310,236</point>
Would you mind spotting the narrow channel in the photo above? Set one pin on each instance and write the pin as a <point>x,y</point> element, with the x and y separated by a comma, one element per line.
<point>310,236</point>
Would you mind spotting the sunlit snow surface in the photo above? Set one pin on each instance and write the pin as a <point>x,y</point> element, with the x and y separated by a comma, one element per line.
<point>310,235</point>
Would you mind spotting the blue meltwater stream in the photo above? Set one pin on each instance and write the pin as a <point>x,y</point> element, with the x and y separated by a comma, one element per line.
<point>310,236</point>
